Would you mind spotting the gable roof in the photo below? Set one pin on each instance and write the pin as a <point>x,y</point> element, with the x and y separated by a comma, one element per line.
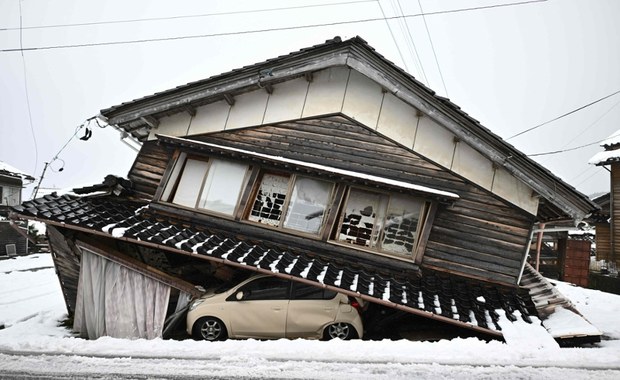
<point>138,117</point>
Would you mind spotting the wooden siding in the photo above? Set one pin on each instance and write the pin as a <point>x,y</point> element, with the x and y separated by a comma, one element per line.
<point>479,236</point>
<point>148,168</point>
<point>8,235</point>
<point>67,262</point>
<point>615,212</point>
<point>603,241</point>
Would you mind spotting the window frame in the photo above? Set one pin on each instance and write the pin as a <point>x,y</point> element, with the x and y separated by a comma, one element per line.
<point>292,180</point>
<point>170,186</point>
<point>427,211</point>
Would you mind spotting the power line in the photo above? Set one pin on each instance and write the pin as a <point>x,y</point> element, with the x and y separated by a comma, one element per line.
<point>433,49</point>
<point>571,149</point>
<point>188,16</point>
<point>21,45</point>
<point>297,27</point>
<point>563,115</point>
<point>412,42</point>
<point>393,38</point>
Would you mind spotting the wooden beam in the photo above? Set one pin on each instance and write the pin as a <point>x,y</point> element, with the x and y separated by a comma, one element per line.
<point>229,99</point>
<point>138,266</point>
<point>425,233</point>
<point>150,121</point>
<point>191,110</point>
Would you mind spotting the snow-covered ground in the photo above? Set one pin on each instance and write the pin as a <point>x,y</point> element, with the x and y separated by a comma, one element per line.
<point>32,345</point>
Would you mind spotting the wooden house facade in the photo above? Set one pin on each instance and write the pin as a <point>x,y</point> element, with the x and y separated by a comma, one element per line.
<point>329,166</point>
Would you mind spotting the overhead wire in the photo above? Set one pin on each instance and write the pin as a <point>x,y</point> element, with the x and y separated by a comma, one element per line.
<point>563,115</point>
<point>402,58</point>
<point>189,16</point>
<point>584,130</point>
<point>412,42</point>
<point>21,45</point>
<point>296,27</point>
<point>443,82</point>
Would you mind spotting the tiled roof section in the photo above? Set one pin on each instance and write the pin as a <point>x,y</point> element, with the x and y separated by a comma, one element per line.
<point>458,299</point>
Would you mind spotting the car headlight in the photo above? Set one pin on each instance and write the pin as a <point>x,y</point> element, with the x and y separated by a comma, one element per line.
<point>195,303</point>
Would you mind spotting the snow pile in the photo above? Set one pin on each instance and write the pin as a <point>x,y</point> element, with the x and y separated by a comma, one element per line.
<point>31,305</point>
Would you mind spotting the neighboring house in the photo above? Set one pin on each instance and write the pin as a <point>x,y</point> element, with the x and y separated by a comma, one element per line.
<point>13,239</point>
<point>607,221</point>
<point>330,166</point>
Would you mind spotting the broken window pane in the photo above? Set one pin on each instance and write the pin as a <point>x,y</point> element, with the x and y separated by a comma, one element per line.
<point>385,222</point>
<point>307,206</point>
<point>270,199</point>
<point>223,186</point>
<point>190,183</point>
<point>359,217</point>
<point>401,223</point>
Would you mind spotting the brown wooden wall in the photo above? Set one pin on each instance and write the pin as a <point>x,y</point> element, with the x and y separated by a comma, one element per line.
<point>148,168</point>
<point>479,236</point>
<point>603,241</point>
<point>67,262</point>
<point>615,212</point>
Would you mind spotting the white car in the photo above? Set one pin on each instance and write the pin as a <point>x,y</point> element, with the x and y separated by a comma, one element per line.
<point>267,307</point>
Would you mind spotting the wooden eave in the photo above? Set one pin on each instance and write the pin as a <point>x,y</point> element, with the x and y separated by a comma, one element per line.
<point>568,203</point>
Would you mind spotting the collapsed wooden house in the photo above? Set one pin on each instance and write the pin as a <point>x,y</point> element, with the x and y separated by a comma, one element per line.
<point>329,165</point>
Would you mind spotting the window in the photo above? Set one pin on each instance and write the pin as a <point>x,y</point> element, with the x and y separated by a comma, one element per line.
<point>311,292</point>
<point>292,202</point>
<point>383,222</point>
<point>213,185</point>
<point>266,288</point>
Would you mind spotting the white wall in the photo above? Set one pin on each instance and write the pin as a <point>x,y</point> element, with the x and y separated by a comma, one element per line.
<point>340,89</point>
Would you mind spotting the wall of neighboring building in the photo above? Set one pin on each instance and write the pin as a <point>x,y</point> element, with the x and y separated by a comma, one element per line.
<point>8,236</point>
<point>615,212</point>
<point>343,90</point>
<point>10,190</point>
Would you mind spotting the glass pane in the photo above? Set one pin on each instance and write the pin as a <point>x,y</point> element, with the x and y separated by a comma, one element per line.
<point>189,185</point>
<point>266,288</point>
<point>269,202</point>
<point>307,206</point>
<point>359,217</point>
<point>223,186</point>
<point>401,223</point>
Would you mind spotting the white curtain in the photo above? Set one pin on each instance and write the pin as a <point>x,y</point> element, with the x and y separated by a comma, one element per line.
<point>113,300</point>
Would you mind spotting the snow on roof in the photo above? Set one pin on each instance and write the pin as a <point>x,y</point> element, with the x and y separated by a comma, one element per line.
<point>612,139</point>
<point>349,173</point>
<point>4,167</point>
<point>565,323</point>
<point>601,158</point>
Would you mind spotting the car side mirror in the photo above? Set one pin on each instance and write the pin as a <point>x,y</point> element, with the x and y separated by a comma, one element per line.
<point>239,295</point>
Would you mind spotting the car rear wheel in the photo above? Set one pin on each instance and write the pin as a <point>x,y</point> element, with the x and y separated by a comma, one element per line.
<point>339,330</point>
<point>209,328</point>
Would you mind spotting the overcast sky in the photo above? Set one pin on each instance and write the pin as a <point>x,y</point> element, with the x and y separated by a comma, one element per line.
<point>512,68</point>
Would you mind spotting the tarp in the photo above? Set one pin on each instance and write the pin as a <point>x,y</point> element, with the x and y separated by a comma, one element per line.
<point>115,301</point>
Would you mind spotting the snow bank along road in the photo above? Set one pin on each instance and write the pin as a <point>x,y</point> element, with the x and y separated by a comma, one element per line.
<point>32,346</point>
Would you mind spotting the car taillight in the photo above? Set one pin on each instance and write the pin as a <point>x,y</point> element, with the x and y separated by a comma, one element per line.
<point>353,302</point>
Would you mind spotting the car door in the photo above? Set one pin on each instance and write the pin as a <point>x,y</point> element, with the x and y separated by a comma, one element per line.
<point>261,311</point>
<point>309,309</point>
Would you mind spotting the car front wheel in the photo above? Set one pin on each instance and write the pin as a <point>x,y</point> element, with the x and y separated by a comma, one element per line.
<point>209,328</point>
<point>339,330</point>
